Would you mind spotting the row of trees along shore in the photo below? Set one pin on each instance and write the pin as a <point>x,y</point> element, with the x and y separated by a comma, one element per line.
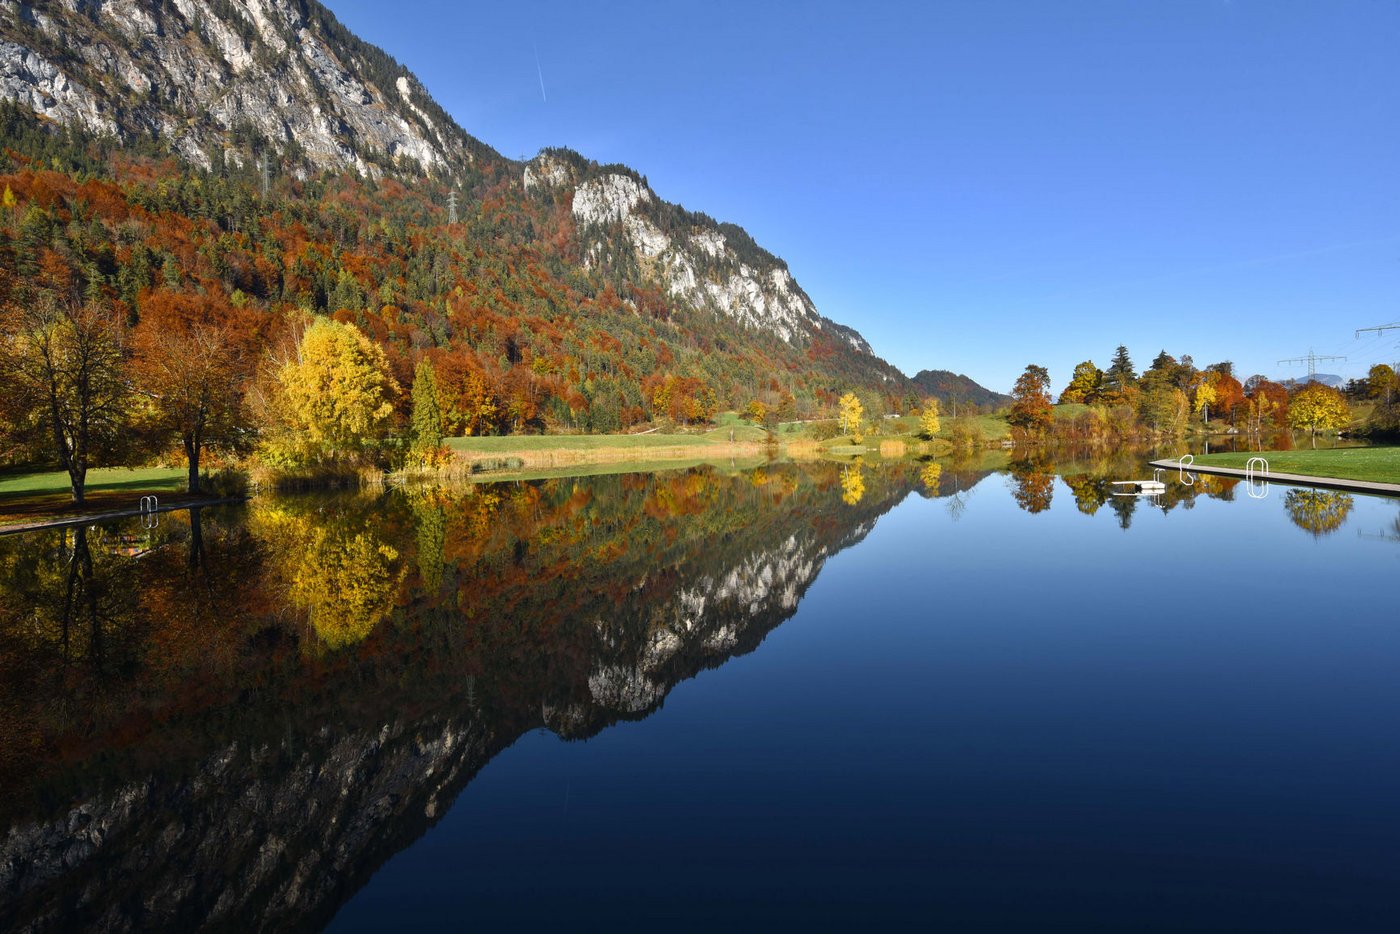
<point>1121,403</point>
<point>87,389</point>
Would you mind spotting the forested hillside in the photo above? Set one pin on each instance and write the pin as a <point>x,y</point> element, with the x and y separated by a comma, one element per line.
<point>949,388</point>
<point>247,165</point>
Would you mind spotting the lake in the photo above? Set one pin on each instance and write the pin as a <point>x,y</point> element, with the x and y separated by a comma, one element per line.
<point>982,695</point>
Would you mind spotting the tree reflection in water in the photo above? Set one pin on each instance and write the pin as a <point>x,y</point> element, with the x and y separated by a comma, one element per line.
<point>332,563</point>
<point>1319,512</point>
<point>930,476</point>
<point>347,663</point>
<point>852,483</point>
<point>233,720</point>
<point>1032,485</point>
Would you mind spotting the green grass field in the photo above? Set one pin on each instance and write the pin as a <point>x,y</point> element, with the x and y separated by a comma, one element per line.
<point>101,479</point>
<point>994,427</point>
<point>1381,465</point>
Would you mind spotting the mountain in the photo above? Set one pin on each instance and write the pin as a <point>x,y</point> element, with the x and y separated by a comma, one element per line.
<point>947,387</point>
<point>204,75</point>
<point>329,177</point>
<point>1326,379</point>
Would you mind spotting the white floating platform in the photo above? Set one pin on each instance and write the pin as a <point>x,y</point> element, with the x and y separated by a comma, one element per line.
<point>1140,487</point>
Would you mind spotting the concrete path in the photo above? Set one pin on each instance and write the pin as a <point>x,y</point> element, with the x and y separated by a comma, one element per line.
<point>1331,483</point>
<point>63,522</point>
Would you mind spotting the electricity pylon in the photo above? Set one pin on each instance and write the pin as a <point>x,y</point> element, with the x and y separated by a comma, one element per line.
<point>1311,360</point>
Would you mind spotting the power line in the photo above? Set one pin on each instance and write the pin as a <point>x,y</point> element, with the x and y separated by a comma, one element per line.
<point>1311,360</point>
<point>1379,329</point>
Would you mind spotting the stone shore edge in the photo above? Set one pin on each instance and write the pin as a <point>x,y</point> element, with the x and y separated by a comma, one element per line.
<point>1333,483</point>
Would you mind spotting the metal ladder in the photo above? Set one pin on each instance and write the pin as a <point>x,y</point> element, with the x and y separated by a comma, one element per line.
<point>150,512</point>
<point>1256,477</point>
<point>1182,462</point>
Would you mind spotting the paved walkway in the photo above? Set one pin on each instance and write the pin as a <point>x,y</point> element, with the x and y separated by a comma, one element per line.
<point>1297,479</point>
<point>63,522</point>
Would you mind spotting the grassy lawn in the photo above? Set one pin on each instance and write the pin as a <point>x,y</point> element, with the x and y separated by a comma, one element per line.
<point>994,427</point>
<point>32,497</point>
<point>1377,464</point>
<point>99,480</point>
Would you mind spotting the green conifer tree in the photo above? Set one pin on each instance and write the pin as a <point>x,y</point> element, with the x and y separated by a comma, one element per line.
<point>427,415</point>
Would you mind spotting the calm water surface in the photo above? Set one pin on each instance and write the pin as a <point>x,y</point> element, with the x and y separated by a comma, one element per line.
<point>987,695</point>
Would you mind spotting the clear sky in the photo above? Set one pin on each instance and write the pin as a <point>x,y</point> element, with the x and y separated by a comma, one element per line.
<point>979,185</point>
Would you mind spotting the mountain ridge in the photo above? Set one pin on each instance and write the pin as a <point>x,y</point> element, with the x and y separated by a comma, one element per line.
<point>274,95</point>
<point>218,80</point>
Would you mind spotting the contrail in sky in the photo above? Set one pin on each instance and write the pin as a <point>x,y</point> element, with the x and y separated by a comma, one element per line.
<point>540,70</point>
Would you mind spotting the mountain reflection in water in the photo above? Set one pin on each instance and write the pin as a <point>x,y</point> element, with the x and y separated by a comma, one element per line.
<point>233,719</point>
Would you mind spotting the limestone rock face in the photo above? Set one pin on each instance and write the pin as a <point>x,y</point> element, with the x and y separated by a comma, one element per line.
<point>222,80</point>
<point>621,221</point>
<point>197,72</point>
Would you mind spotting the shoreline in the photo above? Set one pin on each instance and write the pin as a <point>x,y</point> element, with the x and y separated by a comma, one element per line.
<point>60,522</point>
<point>1372,487</point>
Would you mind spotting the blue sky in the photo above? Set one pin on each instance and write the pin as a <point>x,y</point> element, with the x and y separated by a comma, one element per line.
<point>979,185</point>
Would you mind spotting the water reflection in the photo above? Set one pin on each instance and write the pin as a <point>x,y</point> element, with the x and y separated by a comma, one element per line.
<point>852,483</point>
<point>930,476</point>
<point>235,718</point>
<point>1319,512</point>
<point>331,562</point>
<point>345,664</point>
<point>1032,483</point>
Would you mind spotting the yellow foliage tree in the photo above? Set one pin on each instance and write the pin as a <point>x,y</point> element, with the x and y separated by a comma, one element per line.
<point>1318,407</point>
<point>928,421</point>
<point>1205,397</point>
<point>852,414</point>
<point>852,484</point>
<point>336,395</point>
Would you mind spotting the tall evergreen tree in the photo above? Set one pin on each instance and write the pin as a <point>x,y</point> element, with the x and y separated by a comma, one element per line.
<point>1120,375</point>
<point>427,415</point>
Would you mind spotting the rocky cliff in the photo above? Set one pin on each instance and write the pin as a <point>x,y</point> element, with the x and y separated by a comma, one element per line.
<point>623,226</point>
<point>211,78</point>
<point>238,82</point>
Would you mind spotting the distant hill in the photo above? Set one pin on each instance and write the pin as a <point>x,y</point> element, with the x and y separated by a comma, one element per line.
<point>1327,379</point>
<point>947,386</point>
